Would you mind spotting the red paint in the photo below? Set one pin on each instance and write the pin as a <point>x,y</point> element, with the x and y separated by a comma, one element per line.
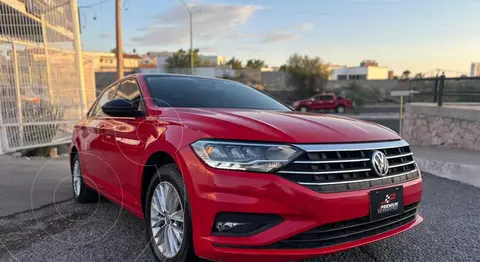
<point>113,152</point>
<point>323,102</point>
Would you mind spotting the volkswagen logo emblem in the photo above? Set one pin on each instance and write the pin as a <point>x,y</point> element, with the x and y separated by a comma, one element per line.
<point>379,163</point>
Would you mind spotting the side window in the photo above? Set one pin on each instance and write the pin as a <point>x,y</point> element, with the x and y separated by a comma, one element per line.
<point>106,96</point>
<point>129,90</point>
<point>326,98</point>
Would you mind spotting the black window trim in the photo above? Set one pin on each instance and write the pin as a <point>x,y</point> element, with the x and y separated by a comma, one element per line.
<point>116,85</point>
<point>139,90</point>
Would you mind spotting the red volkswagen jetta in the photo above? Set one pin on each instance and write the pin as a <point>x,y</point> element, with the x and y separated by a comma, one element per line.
<point>221,171</point>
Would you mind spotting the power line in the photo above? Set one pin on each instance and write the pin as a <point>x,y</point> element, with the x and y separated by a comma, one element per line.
<point>94,4</point>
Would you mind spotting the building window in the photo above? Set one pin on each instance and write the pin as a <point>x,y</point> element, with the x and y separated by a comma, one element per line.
<point>357,77</point>
<point>341,77</point>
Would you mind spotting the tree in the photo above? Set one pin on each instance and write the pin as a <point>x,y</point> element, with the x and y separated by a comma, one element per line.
<point>308,75</point>
<point>181,59</point>
<point>419,76</point>
<point>406,74</point>
<point>283,68</point>
<point>235,63</point>
<point>113,50</point>
<point>256,64</point>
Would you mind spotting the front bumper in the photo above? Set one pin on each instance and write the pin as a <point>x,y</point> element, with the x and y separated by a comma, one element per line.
<point>212,191</point>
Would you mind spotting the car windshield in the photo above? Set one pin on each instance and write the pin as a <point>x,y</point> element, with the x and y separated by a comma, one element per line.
<point>180,91</point>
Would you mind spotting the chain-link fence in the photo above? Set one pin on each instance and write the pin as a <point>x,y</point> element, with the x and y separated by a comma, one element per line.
<point>41,94</point>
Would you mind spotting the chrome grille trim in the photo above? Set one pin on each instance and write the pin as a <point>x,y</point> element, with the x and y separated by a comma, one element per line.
<point>356,181</point>
<point>402,164</point>
<point>350,146</point>
<point>397,156</point>
<point>345,167</point>
<point>333,161</point>
<point>326,172</point>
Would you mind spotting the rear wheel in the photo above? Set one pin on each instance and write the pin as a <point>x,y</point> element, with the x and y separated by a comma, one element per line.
<point>303,109</point>
<point>340,109</point>
<point>81,192</point>
<point>167,217</point>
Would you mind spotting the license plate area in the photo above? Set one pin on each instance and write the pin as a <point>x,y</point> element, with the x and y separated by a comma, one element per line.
<point>386,202</point>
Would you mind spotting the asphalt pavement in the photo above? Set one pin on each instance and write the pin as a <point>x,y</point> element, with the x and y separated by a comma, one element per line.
<point>29,184</point>
<point>104,232</point>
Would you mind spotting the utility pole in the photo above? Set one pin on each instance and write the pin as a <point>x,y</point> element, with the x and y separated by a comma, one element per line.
<point>119,49</point>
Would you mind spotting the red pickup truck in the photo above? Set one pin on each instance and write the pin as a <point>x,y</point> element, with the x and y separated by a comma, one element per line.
<point>324,102</point>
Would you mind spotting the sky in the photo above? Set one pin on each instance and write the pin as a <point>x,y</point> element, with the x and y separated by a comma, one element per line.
<point>418,35</point>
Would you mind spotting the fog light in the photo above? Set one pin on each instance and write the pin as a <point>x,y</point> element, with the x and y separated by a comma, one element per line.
<point>243,224</point>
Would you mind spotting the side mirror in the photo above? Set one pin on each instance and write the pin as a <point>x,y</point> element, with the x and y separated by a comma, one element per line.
<point>121,108</point>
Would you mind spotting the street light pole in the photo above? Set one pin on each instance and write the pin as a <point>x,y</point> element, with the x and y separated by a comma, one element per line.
<point>191,42</point>
<point>190,14</point>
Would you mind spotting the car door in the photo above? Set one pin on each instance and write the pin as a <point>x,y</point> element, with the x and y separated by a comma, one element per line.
<point>315,102</point>
<point>96,144</point>
<point>131,134</point>
<point>324,102</point>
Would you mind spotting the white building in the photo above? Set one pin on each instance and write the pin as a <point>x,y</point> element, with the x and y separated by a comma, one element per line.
<point>360,73</point>
<point>211,60</point>
<point>475,70</point>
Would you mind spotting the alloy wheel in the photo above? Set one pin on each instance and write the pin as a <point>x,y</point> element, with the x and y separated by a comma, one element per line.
<point>167,219</point>
<point>77,179</point>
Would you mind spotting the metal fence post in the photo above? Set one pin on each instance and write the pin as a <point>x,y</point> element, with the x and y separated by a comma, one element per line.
<point>441,89</point>
<point>47,61</point>
<point>78,56</point>
<point>3,133</point>
<point>18,93</point>
<point>401,116</point>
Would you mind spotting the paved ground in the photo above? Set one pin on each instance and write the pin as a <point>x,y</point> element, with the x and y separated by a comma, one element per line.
<point>32,183</point>
<point>103,232</point>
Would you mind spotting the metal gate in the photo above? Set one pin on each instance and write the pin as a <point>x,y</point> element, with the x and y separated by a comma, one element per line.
<point>44,88</point>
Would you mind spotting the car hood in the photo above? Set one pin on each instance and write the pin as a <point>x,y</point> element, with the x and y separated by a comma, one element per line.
<point>281,126</point>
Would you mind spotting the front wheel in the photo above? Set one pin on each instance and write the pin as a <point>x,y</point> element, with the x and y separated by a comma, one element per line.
<point>303,109</point>
<point>81,192</point>
<point>167,217</point>
<point>340,109</point>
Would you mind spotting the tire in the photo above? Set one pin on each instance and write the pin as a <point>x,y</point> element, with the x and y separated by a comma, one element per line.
<point>81,192</point>
<point>168,176</point>
<point>340,109</point>
<point>303,109</point>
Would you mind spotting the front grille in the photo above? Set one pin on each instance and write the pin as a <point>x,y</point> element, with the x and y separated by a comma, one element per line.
<point>343,167</point>
<point>346,231</point>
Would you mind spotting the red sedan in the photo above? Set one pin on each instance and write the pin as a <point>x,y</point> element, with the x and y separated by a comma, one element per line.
<point>221,171</point>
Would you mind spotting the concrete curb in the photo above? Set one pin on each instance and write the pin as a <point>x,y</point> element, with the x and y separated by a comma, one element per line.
<point>468,174</point>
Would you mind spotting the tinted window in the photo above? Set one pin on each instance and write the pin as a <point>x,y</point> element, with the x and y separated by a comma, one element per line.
<point>324,98</point>
<point>130,91</point>
<point>177,91</point>
<point>106,96</point>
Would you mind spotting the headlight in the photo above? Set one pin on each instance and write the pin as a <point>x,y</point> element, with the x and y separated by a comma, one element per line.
<point>295,104</point>
<point>244,156</point>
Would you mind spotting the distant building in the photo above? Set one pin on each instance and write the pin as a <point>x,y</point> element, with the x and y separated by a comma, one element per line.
<point>360,73</point>
<point>391,75</point>
<point>332,68</point>
<point>214,60</point>
<point>211,60</point>
<point>107,62</point>
<point>475,70</point>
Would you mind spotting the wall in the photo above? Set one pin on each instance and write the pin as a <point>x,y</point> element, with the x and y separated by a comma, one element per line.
<point>450,126</point>
<point>377,73</point>
<point>348,71</point>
